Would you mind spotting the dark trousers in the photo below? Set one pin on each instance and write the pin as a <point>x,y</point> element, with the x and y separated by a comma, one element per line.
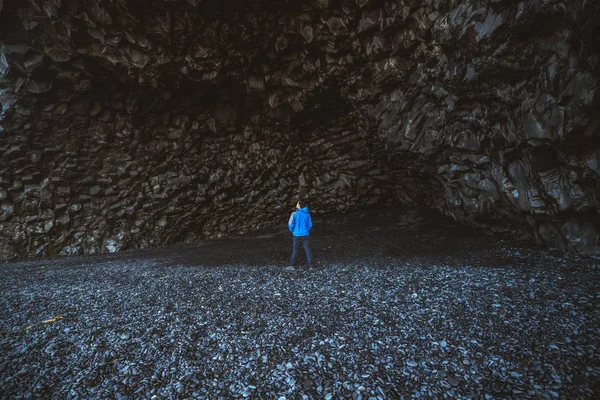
<point>304,241</point>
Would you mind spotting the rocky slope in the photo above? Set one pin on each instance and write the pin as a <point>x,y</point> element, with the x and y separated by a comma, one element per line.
<point>130,124</point>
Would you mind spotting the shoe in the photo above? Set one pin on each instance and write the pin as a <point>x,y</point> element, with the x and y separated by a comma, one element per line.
<point>290,268</point>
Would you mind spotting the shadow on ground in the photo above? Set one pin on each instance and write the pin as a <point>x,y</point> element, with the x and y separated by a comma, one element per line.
<point>364,236</point>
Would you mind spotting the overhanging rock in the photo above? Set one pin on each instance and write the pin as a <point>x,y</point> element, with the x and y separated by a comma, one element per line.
<point>129,124</point>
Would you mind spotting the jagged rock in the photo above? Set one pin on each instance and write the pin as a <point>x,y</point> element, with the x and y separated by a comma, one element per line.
<point>195,119</point>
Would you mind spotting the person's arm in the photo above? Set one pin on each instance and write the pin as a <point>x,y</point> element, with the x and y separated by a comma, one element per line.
<point>292,222</point>
<point>309,222</point>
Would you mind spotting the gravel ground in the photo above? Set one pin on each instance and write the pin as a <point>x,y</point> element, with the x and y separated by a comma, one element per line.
<point>401,305</point>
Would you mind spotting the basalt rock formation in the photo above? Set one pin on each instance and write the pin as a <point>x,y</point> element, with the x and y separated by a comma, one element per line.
<point>130,123</point>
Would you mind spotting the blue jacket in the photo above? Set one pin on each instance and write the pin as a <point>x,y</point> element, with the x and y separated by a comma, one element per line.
<point>300,222</point>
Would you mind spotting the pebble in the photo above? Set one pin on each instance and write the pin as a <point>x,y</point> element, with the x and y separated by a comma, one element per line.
<point>452,381</point>
<point>144,328</point>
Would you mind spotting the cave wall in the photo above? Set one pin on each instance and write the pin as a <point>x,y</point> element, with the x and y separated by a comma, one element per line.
<point>129,124</point>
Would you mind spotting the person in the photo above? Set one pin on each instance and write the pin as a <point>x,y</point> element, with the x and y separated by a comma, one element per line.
<point>300,225</point>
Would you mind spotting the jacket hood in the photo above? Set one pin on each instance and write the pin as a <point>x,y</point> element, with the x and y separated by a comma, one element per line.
<point>303,209</point>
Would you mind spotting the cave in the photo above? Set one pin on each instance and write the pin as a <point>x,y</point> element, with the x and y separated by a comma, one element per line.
<point>138,124</point>
<point>153,150</point>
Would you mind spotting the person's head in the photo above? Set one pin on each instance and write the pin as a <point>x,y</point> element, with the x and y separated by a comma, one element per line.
<point>301,204</point>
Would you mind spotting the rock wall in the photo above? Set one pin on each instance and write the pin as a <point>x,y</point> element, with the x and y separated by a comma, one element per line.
<point>129,123</point>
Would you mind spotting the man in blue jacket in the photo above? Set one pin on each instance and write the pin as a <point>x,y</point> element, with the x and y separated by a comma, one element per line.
<point>300,225</point>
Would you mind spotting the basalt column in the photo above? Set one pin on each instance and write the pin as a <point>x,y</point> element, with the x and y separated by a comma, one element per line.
<point>128,124</point>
